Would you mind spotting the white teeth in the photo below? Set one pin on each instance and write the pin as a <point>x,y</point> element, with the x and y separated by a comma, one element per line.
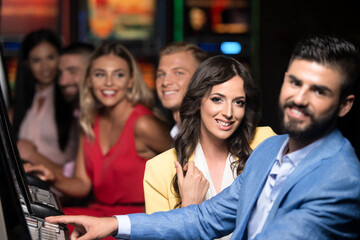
<point>297,112</point>
<point>169,92</point>
<point>70,89</point>
<point>108,92</point>
<point>222,123</point>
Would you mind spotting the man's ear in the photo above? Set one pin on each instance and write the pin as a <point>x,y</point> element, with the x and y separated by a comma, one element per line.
<point>346,105</point>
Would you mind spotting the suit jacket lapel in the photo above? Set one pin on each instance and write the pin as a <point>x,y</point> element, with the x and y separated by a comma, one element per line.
<point>332,143</point>
<point>255,175</point>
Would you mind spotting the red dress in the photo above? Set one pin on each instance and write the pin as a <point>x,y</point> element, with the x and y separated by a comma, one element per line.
<point>117,177</point>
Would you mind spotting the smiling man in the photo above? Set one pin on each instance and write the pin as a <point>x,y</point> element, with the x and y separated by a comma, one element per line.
<point>178,62</point>
<point>309,107</point>
<point>72,67</point>
<point>301,185</point>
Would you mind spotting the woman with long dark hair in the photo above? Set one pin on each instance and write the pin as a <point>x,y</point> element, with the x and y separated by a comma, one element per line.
<point>218,131</point>
<point>41,118</point>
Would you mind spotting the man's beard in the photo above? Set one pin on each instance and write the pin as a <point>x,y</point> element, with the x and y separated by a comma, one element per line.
<point>317,128</point>
<point>73,98</point>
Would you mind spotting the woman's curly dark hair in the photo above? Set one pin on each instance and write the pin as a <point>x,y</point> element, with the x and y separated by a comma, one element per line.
<point>214,71</point>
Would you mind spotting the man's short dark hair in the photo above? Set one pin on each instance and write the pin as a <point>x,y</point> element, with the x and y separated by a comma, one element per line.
<point>79,48</point>
<point>333,52</point>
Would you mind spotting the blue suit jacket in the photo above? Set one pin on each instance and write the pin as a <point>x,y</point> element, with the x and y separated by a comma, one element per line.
<point>319,200</point>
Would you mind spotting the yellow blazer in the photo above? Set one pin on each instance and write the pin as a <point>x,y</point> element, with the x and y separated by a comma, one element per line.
<point>160,171</point>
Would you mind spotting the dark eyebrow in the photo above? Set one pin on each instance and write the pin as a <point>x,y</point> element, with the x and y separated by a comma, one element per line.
<point>293,77</point>
<point>98,69</point>
<point>115,70</point>
<point>72,68</point>
<point>318,87</point>
<point>322,88</point>
<point>222,95</point>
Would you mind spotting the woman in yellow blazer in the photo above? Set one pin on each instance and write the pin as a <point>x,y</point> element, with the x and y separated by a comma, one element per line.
<point>218,132</point>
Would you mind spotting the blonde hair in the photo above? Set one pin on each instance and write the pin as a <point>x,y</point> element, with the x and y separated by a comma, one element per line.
<point>176,47</point>
<point>90,107</point>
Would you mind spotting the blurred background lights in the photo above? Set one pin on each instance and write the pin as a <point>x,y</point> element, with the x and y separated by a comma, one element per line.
<point>230,47</point>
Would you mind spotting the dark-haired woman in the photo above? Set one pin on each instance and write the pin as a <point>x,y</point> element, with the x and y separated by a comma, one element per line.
<point>41,118</point>
<point>218,132</point>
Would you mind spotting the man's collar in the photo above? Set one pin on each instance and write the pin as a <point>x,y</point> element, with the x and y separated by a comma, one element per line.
<point>298,155</point>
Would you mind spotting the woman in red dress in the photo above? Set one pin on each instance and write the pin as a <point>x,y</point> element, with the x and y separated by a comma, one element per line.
<point>119,134</point>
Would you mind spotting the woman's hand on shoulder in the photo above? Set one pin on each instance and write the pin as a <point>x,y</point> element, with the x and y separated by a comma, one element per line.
<point>193,186</point>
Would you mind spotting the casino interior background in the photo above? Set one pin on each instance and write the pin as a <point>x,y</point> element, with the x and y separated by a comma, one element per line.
<point>258,33</point>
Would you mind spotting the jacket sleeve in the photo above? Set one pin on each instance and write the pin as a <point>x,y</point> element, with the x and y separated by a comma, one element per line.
<point>211,219</point>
